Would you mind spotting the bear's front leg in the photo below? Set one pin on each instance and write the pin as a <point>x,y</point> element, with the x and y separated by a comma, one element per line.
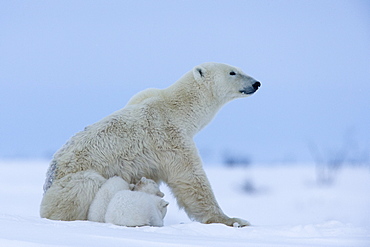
<point>190,186</point>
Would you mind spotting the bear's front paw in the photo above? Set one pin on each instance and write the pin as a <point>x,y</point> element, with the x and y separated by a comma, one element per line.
<point>236,222</point>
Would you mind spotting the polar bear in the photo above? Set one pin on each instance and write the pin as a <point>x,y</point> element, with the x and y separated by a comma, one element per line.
<point>152,136</point>
<point>136,208</point>
<point>112,186</point>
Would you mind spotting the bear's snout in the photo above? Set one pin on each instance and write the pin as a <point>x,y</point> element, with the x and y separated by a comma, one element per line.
<point>251,88</point>
<point>256,85</point>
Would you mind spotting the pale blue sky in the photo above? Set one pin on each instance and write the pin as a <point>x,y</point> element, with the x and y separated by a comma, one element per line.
<point>67,64</point>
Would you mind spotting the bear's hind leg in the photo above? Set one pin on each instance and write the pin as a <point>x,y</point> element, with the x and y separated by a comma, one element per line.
<point>69,198</point>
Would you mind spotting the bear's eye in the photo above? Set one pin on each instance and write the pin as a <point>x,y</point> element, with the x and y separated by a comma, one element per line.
<point>232,73</point>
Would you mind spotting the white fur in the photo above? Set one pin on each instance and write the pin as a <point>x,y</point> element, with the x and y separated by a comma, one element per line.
<point>151,137</point>
<point>64,200</point>
<point>104,195</point>
<point>128,208</point>
<point>148,186</point>
<point>136,208</point>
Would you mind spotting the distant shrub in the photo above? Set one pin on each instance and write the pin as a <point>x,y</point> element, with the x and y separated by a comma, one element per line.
<point>330,161</point>
<point>236,160</point>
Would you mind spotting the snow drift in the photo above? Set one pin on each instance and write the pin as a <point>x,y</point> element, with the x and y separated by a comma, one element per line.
<point>284,204</point>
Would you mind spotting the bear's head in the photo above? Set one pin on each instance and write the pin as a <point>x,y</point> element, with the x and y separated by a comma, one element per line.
<point>226,82</point>
<point>148,186</point>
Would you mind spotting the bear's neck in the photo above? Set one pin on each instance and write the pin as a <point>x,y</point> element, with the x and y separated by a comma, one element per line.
<point>193,104</point>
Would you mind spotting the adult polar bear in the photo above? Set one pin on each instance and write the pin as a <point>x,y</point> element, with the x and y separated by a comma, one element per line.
<point>152,136</point>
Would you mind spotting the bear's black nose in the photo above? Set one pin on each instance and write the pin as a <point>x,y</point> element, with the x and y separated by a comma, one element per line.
<point>256,85</point>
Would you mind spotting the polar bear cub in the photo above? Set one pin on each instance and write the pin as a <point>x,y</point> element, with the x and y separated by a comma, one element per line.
<point>142,206</point>
<point>115,203</point>
<point>104,195</point>
<point>136,208</point>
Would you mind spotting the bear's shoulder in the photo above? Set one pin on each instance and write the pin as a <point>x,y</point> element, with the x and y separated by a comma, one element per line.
<point>144,95</point>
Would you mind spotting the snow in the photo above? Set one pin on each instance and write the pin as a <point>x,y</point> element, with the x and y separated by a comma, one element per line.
<point>284,204</point>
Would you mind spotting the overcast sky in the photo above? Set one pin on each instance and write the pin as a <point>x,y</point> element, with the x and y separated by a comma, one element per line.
<point>67,64</point>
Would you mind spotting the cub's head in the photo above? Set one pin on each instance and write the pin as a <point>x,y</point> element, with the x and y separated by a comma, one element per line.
<point>225,81</point>
<point>148,186</point>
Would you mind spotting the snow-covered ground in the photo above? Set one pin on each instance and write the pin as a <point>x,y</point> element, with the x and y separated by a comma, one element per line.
<point>284,204</point>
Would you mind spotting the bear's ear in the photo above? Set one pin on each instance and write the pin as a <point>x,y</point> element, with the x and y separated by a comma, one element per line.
<point>160,194</point>
<point>164,203</point>
<point>199,73</point>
